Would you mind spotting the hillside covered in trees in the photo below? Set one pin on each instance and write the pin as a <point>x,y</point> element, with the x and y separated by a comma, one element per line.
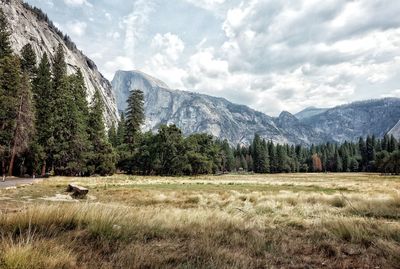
<point>47,125</point>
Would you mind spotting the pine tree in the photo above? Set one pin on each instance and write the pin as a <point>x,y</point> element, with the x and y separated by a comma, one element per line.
<point>363,152</point>
<point>28,60</point>
<point>134,117</point>
<point>10,86</point>
<point>5,44</point>
<point>260,155</point>
<point>62,99</point>
<point>44,102</point>
<point>121,130</point>
<point>24,124</point>
<point>112,135</point>
<point>102,159</point>
<point>228,159</point>
<point>77,123</point>
<point>243,163</point>
<point>370,153</point>
<point>282,159</point>
<point>392,144</point>
<point>338,162</point>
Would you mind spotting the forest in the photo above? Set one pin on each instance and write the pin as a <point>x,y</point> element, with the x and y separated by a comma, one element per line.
<point>47,127</point>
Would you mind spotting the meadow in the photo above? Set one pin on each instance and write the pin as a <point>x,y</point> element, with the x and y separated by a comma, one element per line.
<point>228,221</point>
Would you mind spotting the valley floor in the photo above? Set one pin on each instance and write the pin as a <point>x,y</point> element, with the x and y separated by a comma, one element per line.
<point>229,221</point>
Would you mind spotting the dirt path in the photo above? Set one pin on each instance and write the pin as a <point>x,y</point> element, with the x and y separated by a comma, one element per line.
<point>15,181</point>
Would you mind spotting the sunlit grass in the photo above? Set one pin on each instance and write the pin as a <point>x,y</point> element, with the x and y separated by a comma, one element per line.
<point>231,221</point>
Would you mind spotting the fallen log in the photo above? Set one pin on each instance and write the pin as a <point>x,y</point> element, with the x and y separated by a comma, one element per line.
<point>77,191</point>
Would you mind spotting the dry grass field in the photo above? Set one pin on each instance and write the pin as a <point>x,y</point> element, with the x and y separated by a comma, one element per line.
<point>230,221</point>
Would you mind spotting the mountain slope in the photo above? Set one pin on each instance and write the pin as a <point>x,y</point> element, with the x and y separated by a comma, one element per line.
<point>310,112</point>
<point>193,112</point>
<point>395,131</point>
<point>30,25</point>
<point>349,122</point>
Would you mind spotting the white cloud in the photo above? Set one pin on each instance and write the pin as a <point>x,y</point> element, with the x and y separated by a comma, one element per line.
<point>207,4</point>
<point>134,24</point>
<point>272,55</point>
<point>168,44</point>
<point>77,2</point>
<point>167,49</point>
<point>118,63</point>
<point>76,28</point>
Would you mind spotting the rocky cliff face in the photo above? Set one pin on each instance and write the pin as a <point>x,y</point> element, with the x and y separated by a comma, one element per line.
<point>349,122</point>
<point>194,112</point>
<point>29,25</point>
<point>310,112</point>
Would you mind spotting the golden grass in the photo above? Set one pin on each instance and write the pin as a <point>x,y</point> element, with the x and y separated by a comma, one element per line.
<point>232,221</point>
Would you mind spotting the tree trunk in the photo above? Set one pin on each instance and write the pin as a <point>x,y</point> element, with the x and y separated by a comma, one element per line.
<point>3,168</point>
<point>43,168</point>
<point>14,148</point>
<point>11,167</point>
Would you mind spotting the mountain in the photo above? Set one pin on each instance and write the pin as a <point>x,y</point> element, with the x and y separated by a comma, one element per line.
<point>193,112</point>
<point>31,25</point>
<point>395,131</point>
<point>309,112</point>
<point>349,122</point>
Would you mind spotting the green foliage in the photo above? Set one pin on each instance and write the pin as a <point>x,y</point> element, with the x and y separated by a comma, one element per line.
<point>260,155</point>
<point>102,156</point>
<point>5,44</point>
<point>28,60</point>
<point>169,153</point>
<point>134,117</point>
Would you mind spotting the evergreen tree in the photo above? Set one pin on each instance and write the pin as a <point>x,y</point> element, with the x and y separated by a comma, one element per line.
<point>28,60</point>
<point>370,153</point>
<point>5,44</point>
<point>260,155</point>
<point>102,159</point>
<point>112,135</point>
<point>228,159</point>
<point>10,86</point>
<point>77,123</point>
<point>24,123</point>
<point>44,103</point>
<point>121,130</point>
<point>134,117</point>
<point>62,98</point>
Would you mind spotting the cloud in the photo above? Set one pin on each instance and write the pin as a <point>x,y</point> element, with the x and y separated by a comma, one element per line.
<point>118,63</point>
<point>134,24</point>
<point>168,44</point>
<point>206,4</point>
<point>272,55</point>
<point>76,28</point>
<point>77,3</point>
<point>167,50</point>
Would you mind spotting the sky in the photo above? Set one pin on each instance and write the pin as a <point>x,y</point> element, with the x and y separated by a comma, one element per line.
<point>272,55</point>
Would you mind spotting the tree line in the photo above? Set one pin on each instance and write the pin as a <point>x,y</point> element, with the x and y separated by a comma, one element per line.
<point>366,155</point>
<point>47,127</point>
<point>46,124</point>
<point>168,152</point>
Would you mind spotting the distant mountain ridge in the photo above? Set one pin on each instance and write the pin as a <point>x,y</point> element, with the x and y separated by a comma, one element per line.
<point>309,112</point>
<point>362,118</point>
<point>193,112</point>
